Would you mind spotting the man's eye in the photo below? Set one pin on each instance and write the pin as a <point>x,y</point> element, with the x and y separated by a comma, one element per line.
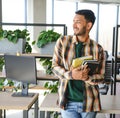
<point>77,22</point>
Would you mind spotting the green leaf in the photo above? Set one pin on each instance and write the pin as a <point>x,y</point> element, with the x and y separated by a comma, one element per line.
<point>5,33</point>
<point>53,86</point>
<point>28,48</point>
<point>46,37</point>
<point>41,43</point>
<point>14,39</point>
<point>10,83</point>
<point>1,33</point>
<point>33,43</point>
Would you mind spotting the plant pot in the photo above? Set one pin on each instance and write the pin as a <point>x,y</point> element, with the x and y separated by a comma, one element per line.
<point>12,48</point>
<point>48,49</point>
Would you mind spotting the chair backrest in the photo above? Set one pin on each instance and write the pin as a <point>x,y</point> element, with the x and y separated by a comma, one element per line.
<point>108,67</point>
<point>103,88</point>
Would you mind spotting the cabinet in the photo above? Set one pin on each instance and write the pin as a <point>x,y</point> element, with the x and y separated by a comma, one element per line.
<point>115,59</point>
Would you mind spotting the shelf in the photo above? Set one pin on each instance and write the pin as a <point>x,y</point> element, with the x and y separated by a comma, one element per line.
<point>37,55</point>
<point>43,76</point>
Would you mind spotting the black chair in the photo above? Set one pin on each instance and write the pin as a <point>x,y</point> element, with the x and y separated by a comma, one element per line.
<point>104,87</point>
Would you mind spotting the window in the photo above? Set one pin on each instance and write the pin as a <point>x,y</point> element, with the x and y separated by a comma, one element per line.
<point>13,11</point>
<point>63,13</point>
<point>107,20</point>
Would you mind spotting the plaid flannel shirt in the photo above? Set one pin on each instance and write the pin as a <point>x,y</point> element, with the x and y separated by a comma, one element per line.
<point>64,53</point>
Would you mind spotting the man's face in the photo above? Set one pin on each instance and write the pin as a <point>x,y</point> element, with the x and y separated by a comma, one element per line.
<point>79,25</point>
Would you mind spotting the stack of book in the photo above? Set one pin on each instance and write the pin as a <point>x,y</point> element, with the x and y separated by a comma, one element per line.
<point>88,60</point>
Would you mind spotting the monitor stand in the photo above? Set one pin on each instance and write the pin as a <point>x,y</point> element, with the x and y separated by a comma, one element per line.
<point>24,92</point>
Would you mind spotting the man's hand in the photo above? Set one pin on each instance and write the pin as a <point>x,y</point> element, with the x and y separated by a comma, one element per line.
<point>80,73</point>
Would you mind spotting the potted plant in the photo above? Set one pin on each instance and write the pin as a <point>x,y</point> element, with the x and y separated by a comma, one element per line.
<point>17,39</point>
<point>46,41</point>
<point>14,37</point>
<point>47,64</point>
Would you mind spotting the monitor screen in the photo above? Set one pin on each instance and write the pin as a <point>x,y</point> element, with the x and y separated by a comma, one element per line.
<point>21,69</point>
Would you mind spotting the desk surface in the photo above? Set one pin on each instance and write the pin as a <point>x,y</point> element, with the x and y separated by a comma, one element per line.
<point>110,103</point>
<point>37,55</point>
<point>49,103</point>
<point>18,103</point>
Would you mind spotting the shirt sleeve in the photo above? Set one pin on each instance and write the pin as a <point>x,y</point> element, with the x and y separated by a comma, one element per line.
<point>57,62</point>
<point>99,77</point>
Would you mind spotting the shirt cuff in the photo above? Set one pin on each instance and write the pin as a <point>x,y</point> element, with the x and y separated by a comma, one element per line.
<point>68,75</point>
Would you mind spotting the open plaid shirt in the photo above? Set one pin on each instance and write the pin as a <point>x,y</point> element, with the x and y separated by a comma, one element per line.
<point>64,53</point>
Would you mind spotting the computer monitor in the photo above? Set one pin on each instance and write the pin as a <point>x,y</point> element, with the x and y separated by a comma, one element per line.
<point>21,69</point>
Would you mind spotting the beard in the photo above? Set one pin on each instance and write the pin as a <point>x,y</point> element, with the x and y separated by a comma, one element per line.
<point>81,32</point>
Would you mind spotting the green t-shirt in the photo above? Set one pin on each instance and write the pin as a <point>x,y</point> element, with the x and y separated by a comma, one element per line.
<point>75,87</point>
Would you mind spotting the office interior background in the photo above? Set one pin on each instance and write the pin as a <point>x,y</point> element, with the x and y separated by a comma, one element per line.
<point>60,12</point>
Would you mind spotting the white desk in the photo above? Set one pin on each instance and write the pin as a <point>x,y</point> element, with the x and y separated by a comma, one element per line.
<point>18,103</point>
<point>110,104</point>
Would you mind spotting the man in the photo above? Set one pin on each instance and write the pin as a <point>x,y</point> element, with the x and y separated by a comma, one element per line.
<point>78,91</point>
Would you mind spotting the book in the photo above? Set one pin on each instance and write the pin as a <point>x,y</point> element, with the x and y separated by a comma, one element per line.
<point>93,65</point>
<point>78,61</point>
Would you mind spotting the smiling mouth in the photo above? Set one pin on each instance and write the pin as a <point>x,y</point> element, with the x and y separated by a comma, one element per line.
<point>75,29</point>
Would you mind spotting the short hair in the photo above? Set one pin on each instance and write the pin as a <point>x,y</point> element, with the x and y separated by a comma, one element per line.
<point>88,14</point>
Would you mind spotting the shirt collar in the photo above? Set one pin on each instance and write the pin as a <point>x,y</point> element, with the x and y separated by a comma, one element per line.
<point>75,41</point>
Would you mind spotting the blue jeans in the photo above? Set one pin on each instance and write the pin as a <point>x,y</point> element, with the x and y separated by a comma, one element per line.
<point>74,110</point>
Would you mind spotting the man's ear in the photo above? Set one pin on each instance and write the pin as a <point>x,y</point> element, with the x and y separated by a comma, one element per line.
<point>89,25</point>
